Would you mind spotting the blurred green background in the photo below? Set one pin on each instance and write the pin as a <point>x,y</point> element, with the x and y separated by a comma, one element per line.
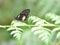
<point>9,9</point>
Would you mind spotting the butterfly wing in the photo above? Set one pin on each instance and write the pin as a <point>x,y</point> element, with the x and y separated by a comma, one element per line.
<point>23,15</point>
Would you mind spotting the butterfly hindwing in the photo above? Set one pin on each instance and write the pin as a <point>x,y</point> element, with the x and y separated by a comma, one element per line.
<point>23,15</point>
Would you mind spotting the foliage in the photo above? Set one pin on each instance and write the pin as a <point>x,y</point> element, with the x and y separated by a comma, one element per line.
<point>41,29</point>
<point>38,27</point>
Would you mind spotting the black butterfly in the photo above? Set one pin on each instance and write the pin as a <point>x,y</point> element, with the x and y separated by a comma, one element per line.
<point>23,15</point>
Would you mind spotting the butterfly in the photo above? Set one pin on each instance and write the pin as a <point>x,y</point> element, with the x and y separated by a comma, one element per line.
<point>23,15</point>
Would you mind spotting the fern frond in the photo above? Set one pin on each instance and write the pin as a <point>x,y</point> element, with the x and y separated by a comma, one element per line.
<point>39,29</point>
<point>42,33</point>
<point>55,19</point>
<point>16,32</point>
<point>55,34</point>
<point>38,21</point>
<point>18,23</point>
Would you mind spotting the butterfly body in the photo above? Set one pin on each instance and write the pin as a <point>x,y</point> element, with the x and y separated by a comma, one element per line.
<point>23,15</point>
